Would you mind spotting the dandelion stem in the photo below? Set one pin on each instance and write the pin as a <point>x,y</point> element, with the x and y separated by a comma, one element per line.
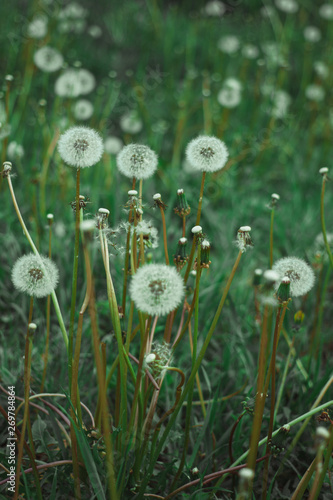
<point>322,218</point>
<point>271,234</point>
<point>48,311</point>
<point>165,240</point>
<point>74,280</point>
<point>34,249</point>
<point>191,378</point>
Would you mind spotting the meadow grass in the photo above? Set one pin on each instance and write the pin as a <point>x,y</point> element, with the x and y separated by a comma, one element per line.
<point>230,373</point>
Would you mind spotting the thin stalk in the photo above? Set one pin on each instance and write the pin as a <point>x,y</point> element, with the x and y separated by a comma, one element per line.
<point>190,259</point>
<point>271,239</point>
<point>234,427</point>
<point>319,467</point>
<point>27,374</point>
<point>191,378</point>
<point>279,323</point>
<point>322,472</point>
<point>302,485</point>
<point>165,241</point>
<point>322,218</point>
<point>48,311</point>
<point>35,251</point>
<point>284,377</point>
<point>104,404</point>
<point>74,280</point>
<point>194,355</point>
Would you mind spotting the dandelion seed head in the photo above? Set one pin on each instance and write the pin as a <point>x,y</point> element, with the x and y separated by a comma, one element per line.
<point>157,289</point>
<point>301,275</point>
<point>321,69</point>
<point>15,151</point>
<point>67,84</point>
<point>83,109</point>
<point>113,145</point>
<point>137,160</point>
<point>250,51</point>
<point>214,8</point>
<point>149,233</point>
<point>80,147</point>
<point>288,6</point>
<point>207,153</point>
<point>48,59</point>
<point>326,11</point>
<point>130,123</point>
<point>229,98</point>
<point>229,44</point>
<point>315,92</point>
<point>86,80</point>
<point>37,28</point>
<point>312,34</point>
<point>35,275</point>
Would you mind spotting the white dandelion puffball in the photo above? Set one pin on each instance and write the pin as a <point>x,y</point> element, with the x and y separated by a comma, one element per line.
<point>250,51</point>
<point>137,160</point>
<point>83,109</point>
<point>87,81</point>
<point>312,34</point>
<point>80,147</point>
<point>207,153</point>
<point>215,8</point>
<point>321,69</point>
<point>68,84</point>
<point>157,289</point>
<point>301,275</point>
<point>37,28</point>
<point>48,59</point>
<point>326,11</point>
<point>229,44</point>
<point>229,98</point>
<point>130,123</point>
<point>288,6</point>
<point>15,151</point>
<point>113,145</point>
<point>35,275</point>
<point>315,92</point>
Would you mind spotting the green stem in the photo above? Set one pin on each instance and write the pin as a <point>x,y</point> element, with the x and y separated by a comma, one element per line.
<point>74,280</point>
<point>191,378</point>
<point>271,240</point>
<point>48,311</point>
<point>322,218</point>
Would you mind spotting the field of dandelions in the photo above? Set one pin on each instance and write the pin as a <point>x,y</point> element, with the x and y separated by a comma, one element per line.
<point>166,270</point>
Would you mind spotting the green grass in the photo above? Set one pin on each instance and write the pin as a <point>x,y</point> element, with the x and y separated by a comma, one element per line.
<point>155,58</point>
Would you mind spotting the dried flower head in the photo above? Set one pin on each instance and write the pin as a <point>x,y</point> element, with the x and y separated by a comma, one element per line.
<point>301,275</point>
<point>207,153</point>
<point>48,59</point>
<point>137,160</point>
<point>80,147</point>
<point>244,239</point>
<point>35,275</point>
<point>157,289</point>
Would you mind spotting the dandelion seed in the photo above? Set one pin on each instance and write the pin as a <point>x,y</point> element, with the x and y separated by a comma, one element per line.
<point>35,275</point>
<point>80,147</point>
<point>137,160</point>
<point>301,275</point>
<point>149,233</point>
<point>83,109</point>
<point>48,59</point>
<point>207,153</point>
<point>157,289</point>
<point>113,145</point>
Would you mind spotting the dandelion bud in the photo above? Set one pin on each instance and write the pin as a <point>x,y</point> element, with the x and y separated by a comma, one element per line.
<point>183,209</point>
<point>322,436</point>
<point>323,171</point>
<point>243,238</point>
<point>50,219</point>
<point>205,251</point>
<point>196,230</point>
<point>180,256</point>
<point>278,441</point>
<point>31,328</point>
<point>195,471</point>
<point>257,277</point>
<point>283,292</point>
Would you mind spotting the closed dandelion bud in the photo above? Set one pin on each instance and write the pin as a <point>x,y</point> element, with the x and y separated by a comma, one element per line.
<point>182,209</point>
<point>283,292</point>
<point>180,256</point>
<point>277,443</point>
<point>35,275</point>
<point>244,239</point>
<point>205,251</point>
<point>31,329</point>
<point>257,277</point>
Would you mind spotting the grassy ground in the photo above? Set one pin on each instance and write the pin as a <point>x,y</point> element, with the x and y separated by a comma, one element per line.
<point>162,60</point>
